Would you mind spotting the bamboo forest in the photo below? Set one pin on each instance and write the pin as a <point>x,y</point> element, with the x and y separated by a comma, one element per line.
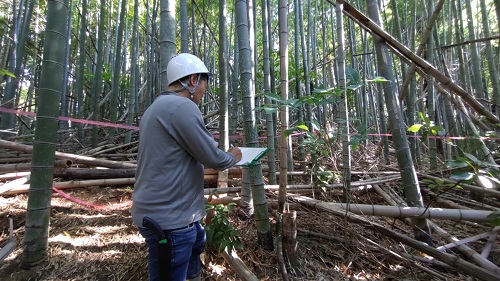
<point>380,121</point>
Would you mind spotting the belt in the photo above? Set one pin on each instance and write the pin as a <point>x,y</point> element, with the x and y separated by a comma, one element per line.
<point>183,227</point>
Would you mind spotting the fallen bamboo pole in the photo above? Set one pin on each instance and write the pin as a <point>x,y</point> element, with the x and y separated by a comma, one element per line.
<point>73,184</point>
<point>77,159</point>
<point>21,167</point>
<point>392,211</point>
<point>239,267</point>
<point>413,212</point>
<point>454,261</point>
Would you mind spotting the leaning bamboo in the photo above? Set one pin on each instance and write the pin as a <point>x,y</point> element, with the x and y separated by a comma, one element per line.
<point>454,261</point>
<point>402,51</point>
<point>77,159</point>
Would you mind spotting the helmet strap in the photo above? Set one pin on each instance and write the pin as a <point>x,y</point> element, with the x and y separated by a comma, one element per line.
<point>186,86</point>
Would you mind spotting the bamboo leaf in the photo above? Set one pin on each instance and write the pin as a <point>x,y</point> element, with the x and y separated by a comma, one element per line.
<point>6,72</point>
<point>494,218</point>
<point>352,75</point>
<point>267,109</point>
<point>302,127</point>
<point>472,157</point>
<point>436,130</point>
<point>378,80</point>
<point>415,128</point>
<point>462,176</point>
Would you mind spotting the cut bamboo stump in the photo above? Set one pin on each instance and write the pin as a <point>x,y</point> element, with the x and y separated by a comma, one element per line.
<point>290,244</point>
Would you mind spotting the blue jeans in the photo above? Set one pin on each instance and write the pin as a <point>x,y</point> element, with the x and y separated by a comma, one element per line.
<point>186,245</point>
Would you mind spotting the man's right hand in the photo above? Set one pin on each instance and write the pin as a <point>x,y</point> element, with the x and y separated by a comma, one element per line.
<point>236,152</point>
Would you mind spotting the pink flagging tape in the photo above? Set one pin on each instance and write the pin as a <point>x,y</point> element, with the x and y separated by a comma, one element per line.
<point>128,127</point>
<point>76,120</point>
<point>112,207</point>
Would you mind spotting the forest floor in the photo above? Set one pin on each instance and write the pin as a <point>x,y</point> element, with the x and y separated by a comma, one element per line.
<point>101,243</point>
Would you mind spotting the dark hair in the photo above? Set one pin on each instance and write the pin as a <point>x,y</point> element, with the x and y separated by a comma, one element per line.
<point>205,76</point>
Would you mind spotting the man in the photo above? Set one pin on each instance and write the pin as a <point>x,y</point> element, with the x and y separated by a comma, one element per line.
<point>174,147</point>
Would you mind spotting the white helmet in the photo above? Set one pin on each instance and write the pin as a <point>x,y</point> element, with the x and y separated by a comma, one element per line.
<point>182,65</point>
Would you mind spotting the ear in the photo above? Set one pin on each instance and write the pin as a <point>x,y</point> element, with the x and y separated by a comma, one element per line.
<point>193,78</point>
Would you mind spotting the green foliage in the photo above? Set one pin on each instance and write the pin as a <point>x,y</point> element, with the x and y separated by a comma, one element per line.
<point>106,74</point>
<point>360,136</point>
<point>439,183</point>
<point>494,218</point>
<point>319,142</point>
<point>6,72</point>
<point>220,233</point>
<point>472,170</point>
<point>427,127</point>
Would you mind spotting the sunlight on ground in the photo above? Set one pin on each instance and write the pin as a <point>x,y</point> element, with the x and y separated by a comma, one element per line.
<point>83,216</point>
<point>92,240</point>
<point>216,269</point>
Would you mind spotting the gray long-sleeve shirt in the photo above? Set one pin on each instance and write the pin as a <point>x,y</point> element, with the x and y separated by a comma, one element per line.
<point>174,147</point>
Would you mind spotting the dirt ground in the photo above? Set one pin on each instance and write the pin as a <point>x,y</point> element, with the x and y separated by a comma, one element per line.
<point>89,244</point>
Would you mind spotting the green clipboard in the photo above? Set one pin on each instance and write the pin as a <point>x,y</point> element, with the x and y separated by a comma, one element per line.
<point>251,155</point>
